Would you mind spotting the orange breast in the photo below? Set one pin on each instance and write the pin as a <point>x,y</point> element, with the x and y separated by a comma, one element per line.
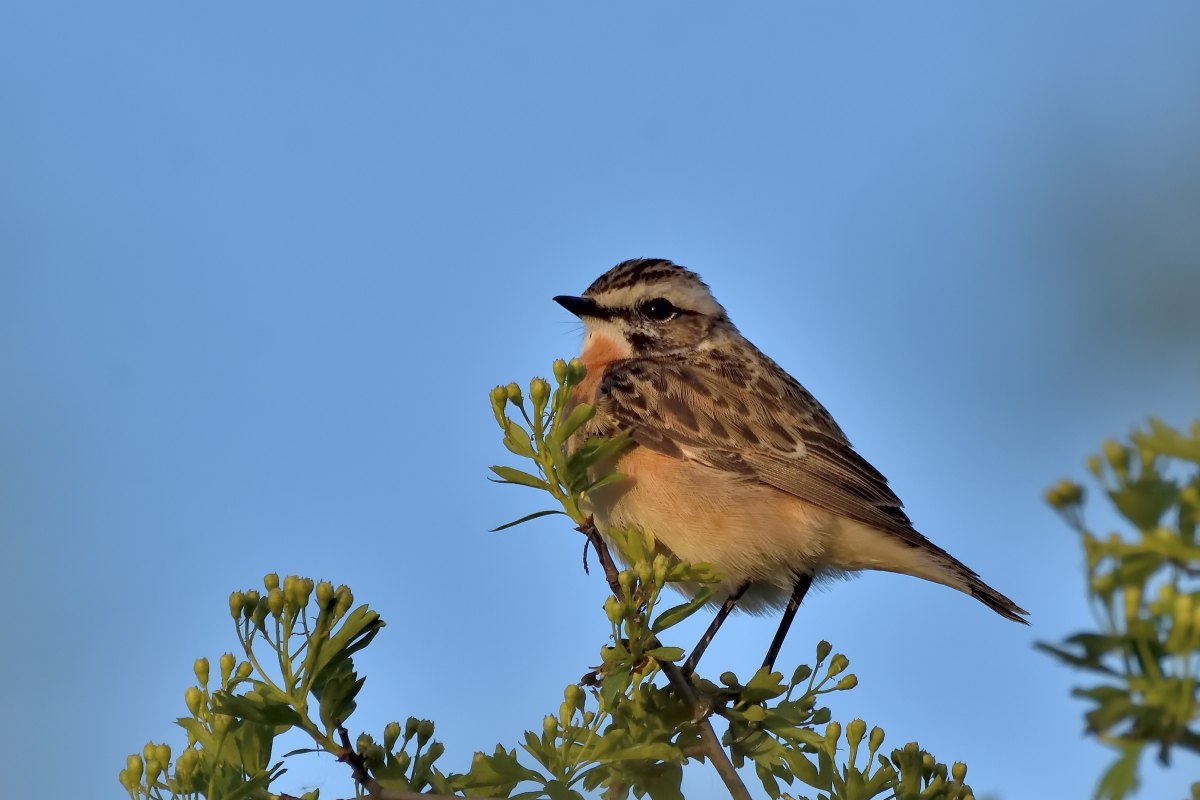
<point>598,352</point>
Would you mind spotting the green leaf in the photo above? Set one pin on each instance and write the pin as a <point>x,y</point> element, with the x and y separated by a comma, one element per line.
<point>517,440</point>
<point>1121,780</point>
<point>578,417</point>
<point>526,518</point>
<point>665,653</point>
<point>1166,440</point>
<point>511,475</point>
<point>1144,501</point>
<point>676,614</point>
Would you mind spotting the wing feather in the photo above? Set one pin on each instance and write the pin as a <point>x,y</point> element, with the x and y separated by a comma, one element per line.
<point>771,430</point>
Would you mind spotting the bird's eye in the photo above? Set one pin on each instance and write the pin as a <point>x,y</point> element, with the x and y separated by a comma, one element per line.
<point>659,309</point>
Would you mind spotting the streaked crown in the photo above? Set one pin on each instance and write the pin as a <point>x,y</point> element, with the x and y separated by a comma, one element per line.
<point>654,305</point>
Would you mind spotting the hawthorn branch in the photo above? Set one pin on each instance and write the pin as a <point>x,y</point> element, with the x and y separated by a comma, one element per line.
<point>710,746</point>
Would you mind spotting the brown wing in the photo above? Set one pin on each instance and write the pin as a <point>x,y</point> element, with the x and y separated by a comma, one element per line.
<point>771,430</point>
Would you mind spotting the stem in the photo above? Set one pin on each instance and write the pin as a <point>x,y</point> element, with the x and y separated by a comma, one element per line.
<point>710,746</point>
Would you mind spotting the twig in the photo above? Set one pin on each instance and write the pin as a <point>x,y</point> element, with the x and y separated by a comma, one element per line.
<point>710,745</point>
<point>358,769</point>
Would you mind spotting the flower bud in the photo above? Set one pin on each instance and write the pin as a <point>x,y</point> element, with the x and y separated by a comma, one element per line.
<point>1095,466</point>
<point>237,601</point>
<point>424,732</point>
<point>227,663</point>
<point>614,609</point>
<point>275,602</point>
<point>499,397</point>
<point>550,727</point>
<point>539,393</point>
<point>1117,455</point>
<point>846,683</point>
<point>958,771</point>
<point>200,667</point>
<point>153,771</point>
<point>576,372</point>
<point>148,751</point>
<point>435,752</point>
<point>573,696</point>
<point>833,731</point>
<point>560,371</point>
<point>244,671</point>
<point>271,581</point>
<point>837,664</point>
<point>588,717</point>
<point>391,733</point>
<point>344,598</point>
<point>324,594</point>
<point>135,767</point>
<point>252,597</point>
<point>514,394</point>
<point>193,698</point>
<point>410,727</point>
<point>856,729</point>
<point>876,739</point>
<point>824,648</point>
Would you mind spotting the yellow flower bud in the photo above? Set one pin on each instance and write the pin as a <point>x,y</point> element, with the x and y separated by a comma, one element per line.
<point>848,682</point>
<point>838,663</point>
<point>958,771</point>
<point>275,602</point>
<point>271,581</point>
<point>244,670</point>
<point>856,729</point>
<point>539,393</point>
<point>876,739</point>
<point>227,663</point>
<point>237,601</point>
<point>324,594</point>
<point>200,667</point>
<point>514,394</point>
<point>560,371</point>
<point>193,698</point>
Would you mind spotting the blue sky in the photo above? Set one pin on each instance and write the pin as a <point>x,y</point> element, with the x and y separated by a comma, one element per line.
<point>260,265</point>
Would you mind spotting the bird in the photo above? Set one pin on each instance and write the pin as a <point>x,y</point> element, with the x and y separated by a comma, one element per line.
<point>732,462</point>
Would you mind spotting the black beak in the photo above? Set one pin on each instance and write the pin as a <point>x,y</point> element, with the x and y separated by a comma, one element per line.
<point>583,307</point>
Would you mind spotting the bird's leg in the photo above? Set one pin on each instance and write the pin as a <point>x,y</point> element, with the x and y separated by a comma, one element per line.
<point>789,613</point>
<point>689,666</point>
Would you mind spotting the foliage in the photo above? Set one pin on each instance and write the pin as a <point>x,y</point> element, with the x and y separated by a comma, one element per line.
<point>629,728</point>
<point>1145,649</point>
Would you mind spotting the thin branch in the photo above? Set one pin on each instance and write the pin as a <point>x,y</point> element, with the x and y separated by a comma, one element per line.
<point>710,745</point>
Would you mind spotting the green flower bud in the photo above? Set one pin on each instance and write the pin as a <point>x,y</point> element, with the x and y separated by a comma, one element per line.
<point>588,717</point>
<point>856,729</point>
<point>435,751</point>
<point>614,609</point>
<point>306,589</point>
<point>135,767</point>
<point>424,732</point>
<point>275,602</point>
<point>221,724</point>
<point>514,394</point>
<point>237,601</point>
<point>410,728</point>
<point>539,392</point>
<point>576,372</point>
<point>252,598</point>
<point>153,771</point>
<point>1095,466</point>
<point>324,594</point>
<point>403,760</point>
<point>560,371</point>
<point>876,739</point>
<point>391,733</point>
<point>363,743</point>
<point>573,696</point>
<point>200,667</point>
<point>846,683</point>
<point>499,399</point>
<point>244,671</point>
<point>833,731</point>
<point>227,663</point>
<point>824,648</point>
<point>271,581</point>
<point>550,727</point>
<point>1117,455</point>
<point>343,598</point>
<point>958,771</point>
<point>148,751</point>
<point>837,664</point>
<point>193,698</point>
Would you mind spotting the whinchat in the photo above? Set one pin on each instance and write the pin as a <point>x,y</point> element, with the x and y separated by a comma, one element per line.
<point>733,462</point>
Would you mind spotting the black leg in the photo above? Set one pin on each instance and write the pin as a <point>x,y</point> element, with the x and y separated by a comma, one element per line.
<point>689,666</point>
<point>789,613</point>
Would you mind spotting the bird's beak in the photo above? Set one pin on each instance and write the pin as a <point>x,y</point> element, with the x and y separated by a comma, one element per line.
<point>582,307</point>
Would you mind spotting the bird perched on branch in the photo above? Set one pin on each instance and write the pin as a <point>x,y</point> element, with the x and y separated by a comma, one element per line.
<point>734,463</point>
